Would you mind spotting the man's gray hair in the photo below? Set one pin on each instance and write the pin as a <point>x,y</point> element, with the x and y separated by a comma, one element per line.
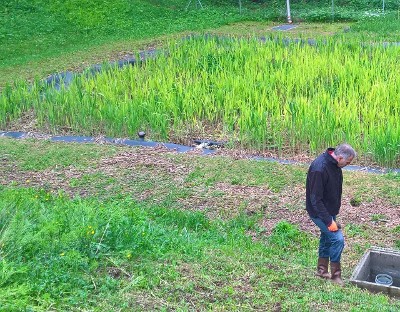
<point>345,150</point>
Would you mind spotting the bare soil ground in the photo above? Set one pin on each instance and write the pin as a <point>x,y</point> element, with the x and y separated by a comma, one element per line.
<point>128,168</point>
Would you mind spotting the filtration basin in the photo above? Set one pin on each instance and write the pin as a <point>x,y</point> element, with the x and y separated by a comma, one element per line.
<point>379,271</point>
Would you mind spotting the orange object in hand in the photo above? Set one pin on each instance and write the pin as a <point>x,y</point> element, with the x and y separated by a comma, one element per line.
<point>333,227</point>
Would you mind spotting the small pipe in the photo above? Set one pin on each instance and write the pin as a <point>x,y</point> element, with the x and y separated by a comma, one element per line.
<point>141,135</point>
<point>289,19</point>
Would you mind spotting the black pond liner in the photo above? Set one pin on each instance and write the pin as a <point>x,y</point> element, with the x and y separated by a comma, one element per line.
<point>210,148</point>
<point>128,142</point>
<point>77,139</point>
<point>65,78</point>
<point>349,167</point>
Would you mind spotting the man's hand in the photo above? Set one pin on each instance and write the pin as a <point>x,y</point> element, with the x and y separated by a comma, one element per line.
<point>333,227</point>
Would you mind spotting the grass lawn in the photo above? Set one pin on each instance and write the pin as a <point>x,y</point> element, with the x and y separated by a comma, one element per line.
<point>105,228</point>
<point>109,228</point>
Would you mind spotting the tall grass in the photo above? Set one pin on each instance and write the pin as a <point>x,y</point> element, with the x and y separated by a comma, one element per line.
<point>276,94</point>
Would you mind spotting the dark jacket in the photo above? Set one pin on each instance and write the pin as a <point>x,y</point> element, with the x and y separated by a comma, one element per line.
<point>324,187</point>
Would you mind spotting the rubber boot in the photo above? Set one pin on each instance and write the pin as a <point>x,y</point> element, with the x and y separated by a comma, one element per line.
<point>322,268</point>
<point>336,273</point>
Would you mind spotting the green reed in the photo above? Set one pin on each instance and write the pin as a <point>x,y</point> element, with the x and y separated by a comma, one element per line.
<point>276,94</point>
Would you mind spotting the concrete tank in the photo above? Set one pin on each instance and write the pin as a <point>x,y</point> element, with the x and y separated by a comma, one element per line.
<point>378,261</point>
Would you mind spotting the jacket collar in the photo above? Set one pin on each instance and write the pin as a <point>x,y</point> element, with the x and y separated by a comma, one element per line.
<point>329,157</point>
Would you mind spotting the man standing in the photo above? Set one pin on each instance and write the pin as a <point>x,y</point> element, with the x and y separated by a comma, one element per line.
<point>323,200</point>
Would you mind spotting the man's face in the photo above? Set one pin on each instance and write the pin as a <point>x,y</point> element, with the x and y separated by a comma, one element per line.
<point>343,162</point>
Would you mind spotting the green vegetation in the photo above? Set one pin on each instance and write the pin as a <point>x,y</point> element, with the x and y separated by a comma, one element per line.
<point>254,92</point>
<point>260,100</point>
<point>110,228</point>
<point>199,240</point>
<point>39,37</point>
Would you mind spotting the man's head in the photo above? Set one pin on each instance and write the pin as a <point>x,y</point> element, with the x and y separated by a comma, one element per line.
<point>344,155</point>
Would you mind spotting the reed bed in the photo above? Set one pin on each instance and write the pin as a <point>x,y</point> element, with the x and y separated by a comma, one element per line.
<point>272,94</point>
